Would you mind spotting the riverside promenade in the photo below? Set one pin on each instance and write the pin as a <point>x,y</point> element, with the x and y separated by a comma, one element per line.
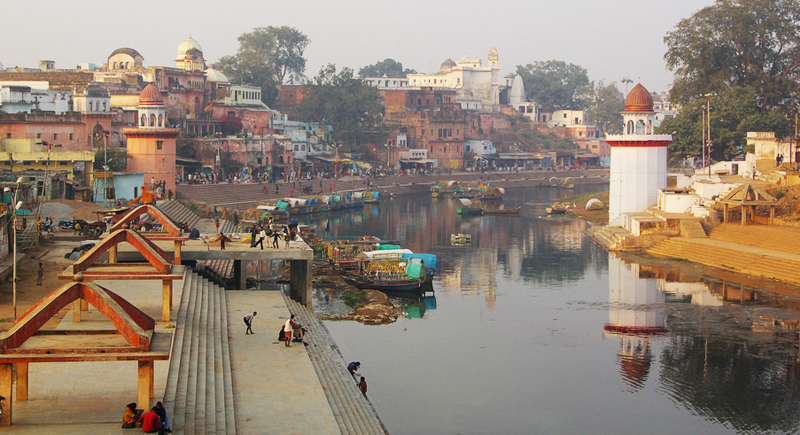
<point>218,380</point>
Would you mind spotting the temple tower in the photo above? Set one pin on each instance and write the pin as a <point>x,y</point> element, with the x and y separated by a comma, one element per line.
<point>151,145</point>
<point>638,159</point>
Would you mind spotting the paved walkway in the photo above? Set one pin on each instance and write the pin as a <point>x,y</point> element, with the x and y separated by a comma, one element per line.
<point>276,388</point>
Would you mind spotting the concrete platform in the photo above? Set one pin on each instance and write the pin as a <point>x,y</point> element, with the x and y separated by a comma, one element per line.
<point>90,397</point>
<point>277,390</point>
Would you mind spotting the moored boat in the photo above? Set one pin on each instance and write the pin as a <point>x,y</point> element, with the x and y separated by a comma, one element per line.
<point>501,211</point>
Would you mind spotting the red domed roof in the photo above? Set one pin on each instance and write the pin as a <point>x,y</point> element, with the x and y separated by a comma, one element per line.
<point>151,96</point>
<point>639,100</point>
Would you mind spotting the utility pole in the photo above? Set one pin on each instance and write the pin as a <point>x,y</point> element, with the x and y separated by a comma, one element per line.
<point>708,120</point>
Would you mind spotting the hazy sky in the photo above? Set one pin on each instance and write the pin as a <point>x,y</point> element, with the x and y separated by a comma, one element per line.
<point>611,39</point>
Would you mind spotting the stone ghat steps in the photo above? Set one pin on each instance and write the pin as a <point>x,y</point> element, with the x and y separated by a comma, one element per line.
<point>199,392</point>
<point>352,411</point>
<point>179,212</point>
<point>769,264</point>
<point>766,237</point>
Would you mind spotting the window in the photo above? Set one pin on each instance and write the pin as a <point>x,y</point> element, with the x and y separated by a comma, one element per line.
<point>70,136</point>
<point>143,122</point>
<point>38,135</point>
<point>8,135</point>
<point>55,136</point>
<point>159,144</point>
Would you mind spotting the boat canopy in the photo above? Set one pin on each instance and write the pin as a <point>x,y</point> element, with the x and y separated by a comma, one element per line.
<point>371,255</point>
<point>428,259</point>
<point>387,247</point>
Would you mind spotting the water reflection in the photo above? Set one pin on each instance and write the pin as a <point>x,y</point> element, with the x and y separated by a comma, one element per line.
<point>735,366</point>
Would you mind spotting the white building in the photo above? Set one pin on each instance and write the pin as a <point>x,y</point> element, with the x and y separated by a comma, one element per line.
<point>468,74</point>
<point>15,98</point>
<point>384,83</point>
<point>638,160</point>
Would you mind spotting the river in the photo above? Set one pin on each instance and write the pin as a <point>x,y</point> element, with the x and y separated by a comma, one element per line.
<point>535,329</point>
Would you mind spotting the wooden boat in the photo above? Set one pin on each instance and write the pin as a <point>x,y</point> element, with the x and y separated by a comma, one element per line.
<point>493,194</point>
<point>460,239</point>
<point>386,286</point>
<point>568,183</point>
<point>469,211</point>
<point>501,211</point>
<point>558,208</point>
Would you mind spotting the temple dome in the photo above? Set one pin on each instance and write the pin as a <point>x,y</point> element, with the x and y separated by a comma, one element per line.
<point>188,44</point>
<point>151,96</point>
<point>215,76</point>
<point>639,100</point>
<point>447,64</point>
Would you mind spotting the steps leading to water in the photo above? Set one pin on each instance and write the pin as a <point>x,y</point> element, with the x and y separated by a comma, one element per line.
<point>755,261</point>
<point>199,392</point>
<point>352,411</point>
<point>761,236</point>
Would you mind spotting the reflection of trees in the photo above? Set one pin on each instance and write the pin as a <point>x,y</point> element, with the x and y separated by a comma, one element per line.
<point>740,380</point>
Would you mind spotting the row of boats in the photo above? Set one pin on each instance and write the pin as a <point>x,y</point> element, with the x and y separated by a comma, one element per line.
<point>370,263</point>
<point>310,204</point>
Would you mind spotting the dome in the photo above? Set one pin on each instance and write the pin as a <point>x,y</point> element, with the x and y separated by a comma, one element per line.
<point>187,45</point>
<point>125,50</point>
<point>639,100</point>
<point>214,76</point>
<point>448,64</point>
<point>151,96</point>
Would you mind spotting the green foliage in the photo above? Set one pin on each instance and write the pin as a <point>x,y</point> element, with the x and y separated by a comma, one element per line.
<point>604,107</point>
<point>739,43</point>
<point>353,108</point>
<point>354,300</point>
<point>387,67</point>
<point>117,158</point>
<point>554,84</point>
<point>780,194</point>
<point>267,56</point>
<point>734,112</point>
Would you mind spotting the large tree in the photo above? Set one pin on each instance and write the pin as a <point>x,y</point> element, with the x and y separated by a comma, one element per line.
<point>734,112</point>
<point>604,107</point>
<point>386,67</point>
<point>753,43</point>
<point>353,108</point>
<point>267,56</point>
<point>554,84</point>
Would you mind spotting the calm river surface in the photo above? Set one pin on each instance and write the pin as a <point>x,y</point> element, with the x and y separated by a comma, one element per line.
<point>535,329</point>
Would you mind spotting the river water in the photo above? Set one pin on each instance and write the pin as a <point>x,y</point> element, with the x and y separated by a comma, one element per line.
<point>535,329</point>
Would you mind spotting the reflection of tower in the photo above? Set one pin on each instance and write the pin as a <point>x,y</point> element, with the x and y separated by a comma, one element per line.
<point>151,145</point>
<point>632,318</point>
<point>638,159</point>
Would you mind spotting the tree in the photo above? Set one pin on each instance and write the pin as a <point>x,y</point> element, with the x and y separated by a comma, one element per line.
<point>267,56</point>
<point>387,67</point>
<point>740,43</point>
<point>353,108</point>
<point>554,84</point>
<point>734,112</point>
<point>604,107</point>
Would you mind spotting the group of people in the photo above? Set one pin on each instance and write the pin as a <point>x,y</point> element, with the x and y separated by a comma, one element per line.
<point>258,235</point>
<point>291,331</point>
<point>362,383</point>
<point>155,420</point>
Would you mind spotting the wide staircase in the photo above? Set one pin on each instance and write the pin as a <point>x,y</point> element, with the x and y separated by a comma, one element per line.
<point>353,412</point>
<point>179,212</point>
<point>199,392</point>
<point>769,252</point>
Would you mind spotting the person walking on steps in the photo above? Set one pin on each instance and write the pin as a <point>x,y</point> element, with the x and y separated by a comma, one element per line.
<point>362,385</point>
<point>353,367</point>
<point>248,320</point>
<point>287,330</point>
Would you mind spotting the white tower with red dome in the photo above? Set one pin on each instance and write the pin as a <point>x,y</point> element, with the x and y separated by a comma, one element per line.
<point>638,159</point>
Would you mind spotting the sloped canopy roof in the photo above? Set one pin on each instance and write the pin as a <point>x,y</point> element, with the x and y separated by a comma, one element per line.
<point>167,222</point>
<point>748,194</point>
<point>131,323</point>
<point>157,257</point>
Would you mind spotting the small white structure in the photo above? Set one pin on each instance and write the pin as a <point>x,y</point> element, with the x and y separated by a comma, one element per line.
<point>638,159</point>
